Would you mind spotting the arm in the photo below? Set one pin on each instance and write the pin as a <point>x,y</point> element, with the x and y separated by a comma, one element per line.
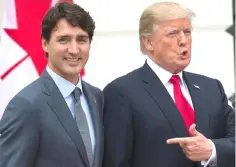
<point>19,134</point>
<point>225,147</point>
<point>118,129</point>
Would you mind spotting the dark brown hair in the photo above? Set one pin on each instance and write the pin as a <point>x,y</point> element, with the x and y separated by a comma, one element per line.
<point>72,13</point>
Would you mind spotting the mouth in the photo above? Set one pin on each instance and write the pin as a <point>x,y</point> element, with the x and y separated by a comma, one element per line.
<point>184,53</point>
<point>72,59</point>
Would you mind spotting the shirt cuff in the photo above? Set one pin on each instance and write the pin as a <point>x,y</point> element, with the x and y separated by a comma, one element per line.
<point>212,161</point>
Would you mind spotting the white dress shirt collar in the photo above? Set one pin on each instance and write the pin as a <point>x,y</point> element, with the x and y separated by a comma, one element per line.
<point>163,74</point>
<point>65,86</point>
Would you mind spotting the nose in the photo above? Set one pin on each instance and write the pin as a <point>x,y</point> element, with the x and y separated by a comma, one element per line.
<point>73,48</point>
<point>182,39</point>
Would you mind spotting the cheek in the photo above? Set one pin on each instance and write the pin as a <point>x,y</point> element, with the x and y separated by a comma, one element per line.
<point>85,50</point>
<point>60,52</point>
<point>57,56</point>
<point>190,45</point>
<point>169,50</point>
<point>189,42</point>
<point>61,48</point>
<point>55,48</point>
<point>167,45</point>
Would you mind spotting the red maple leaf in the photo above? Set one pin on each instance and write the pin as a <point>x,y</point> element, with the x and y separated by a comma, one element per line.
<point>29,14</point>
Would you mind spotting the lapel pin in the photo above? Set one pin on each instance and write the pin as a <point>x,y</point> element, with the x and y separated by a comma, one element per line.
<point>196,86</point>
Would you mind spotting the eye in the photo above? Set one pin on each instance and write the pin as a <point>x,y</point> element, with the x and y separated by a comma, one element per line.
<point>188,32</point>
<point>82,40</point>
<point>172,33</point>
<point>63,40</point>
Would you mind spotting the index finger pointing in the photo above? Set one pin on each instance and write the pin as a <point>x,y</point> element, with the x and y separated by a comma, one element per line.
<point>176,141</point>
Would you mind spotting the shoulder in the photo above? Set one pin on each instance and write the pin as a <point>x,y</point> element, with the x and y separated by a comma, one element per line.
<point>25,100</point>
<point>201,79</point>
<point>29,93</point>
<point>124,82</point>
<point>92,88</point>
<point>208,83</point>
<point>97,93</point>
<point>21,109</point>
<point>199,76</point>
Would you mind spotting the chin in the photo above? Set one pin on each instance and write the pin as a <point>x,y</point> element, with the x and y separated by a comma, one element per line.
<point>182,67</point>
<point>73,73</point>
<point>74,70</point>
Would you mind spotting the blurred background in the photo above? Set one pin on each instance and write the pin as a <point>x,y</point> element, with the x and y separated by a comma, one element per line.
<point>115,47</point>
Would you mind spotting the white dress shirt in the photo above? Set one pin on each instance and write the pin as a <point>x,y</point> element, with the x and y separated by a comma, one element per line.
<point>165,76</point>
<point>66,88</point>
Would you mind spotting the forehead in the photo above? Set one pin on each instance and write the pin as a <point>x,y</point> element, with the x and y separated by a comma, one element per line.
<point>64,28</point>
<point>174,24</point>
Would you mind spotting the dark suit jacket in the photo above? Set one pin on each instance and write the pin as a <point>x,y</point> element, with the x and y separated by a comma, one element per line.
<point>38,130</point>
<point>140,115</point>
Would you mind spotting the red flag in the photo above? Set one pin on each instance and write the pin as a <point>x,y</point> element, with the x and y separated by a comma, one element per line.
<point>21,55</point>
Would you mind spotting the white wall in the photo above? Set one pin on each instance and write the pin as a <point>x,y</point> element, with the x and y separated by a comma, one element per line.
<point>115,48</point>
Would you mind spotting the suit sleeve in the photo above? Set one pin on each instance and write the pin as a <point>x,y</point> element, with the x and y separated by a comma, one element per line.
<point>19,129</point>
<point>118,128</point>
<point>225,149</point>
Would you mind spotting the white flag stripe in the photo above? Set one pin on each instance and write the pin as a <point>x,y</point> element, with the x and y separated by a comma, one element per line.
<point>24,74</point>
<point>9,56</point>
<point>15,53</point>
<point>54,2</point>
<point>9,15</point>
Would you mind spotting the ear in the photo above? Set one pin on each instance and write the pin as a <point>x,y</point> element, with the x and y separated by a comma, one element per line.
<point>147,42</point>
<point>44,45</point>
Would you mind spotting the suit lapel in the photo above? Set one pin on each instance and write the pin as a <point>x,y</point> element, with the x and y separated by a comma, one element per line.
<point>158,92</point>
<point>199,104</point>
<point>58,105</point>
<point>97,124</point>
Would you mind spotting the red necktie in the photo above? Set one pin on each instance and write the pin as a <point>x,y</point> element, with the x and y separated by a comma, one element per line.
<point>182,103</point>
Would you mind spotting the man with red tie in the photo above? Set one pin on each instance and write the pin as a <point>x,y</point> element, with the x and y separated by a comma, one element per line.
<point>160,115</point>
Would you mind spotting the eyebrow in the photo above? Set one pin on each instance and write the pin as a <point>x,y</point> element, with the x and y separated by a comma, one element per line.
<point>175,28</point>
<point>82,36</point>
<point>63,36</point>
<point>69,36</point>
